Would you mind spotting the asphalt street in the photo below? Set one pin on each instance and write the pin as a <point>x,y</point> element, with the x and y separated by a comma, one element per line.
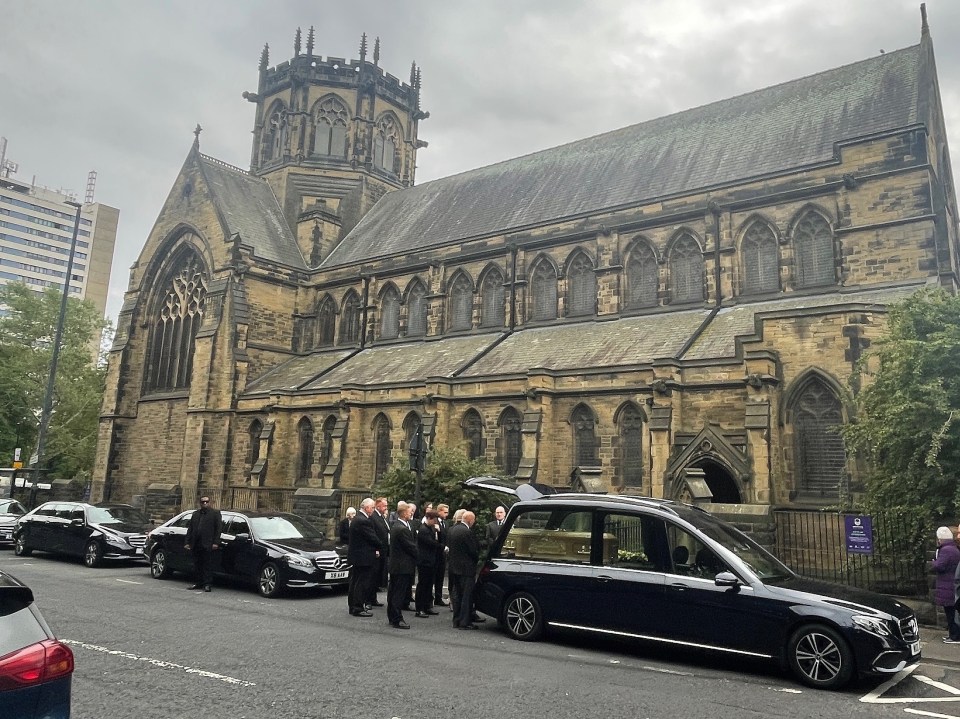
<point>148,648</point>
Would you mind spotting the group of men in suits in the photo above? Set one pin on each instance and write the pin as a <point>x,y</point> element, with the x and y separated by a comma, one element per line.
<point>385,553</point>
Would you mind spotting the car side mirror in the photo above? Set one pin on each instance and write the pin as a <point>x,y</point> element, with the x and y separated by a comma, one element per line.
<point>242,537</point>
<point>726,579</point>
<point>77,522</point>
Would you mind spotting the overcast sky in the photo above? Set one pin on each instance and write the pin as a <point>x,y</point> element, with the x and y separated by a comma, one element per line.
<point>118,86</point>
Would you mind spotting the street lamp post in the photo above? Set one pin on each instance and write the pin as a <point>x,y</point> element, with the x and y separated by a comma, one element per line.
<point>47,407</point>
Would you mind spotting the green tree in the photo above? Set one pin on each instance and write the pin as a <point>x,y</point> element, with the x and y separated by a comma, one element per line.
<point>908,421</point>
<point>446,469</point>
<point>27,328</point>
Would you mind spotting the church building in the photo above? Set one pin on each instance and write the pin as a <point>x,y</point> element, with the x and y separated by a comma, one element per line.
<point>671,309</point>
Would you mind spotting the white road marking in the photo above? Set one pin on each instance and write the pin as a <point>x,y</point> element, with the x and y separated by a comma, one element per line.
<point>129,581</point>
<point>668,671</point>
<point>160,663</point>
<point>939,685</point>
<point>874,696</point>
<point>931,714</point>
<point>788,691</point>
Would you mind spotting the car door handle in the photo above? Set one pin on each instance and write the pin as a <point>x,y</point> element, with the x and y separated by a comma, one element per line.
<point>679,586</point>
<point>604,577</point>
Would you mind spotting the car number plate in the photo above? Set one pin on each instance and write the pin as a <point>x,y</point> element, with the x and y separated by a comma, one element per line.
<point>337,575</point>
<point>139,550</point>
<point>915,648</point>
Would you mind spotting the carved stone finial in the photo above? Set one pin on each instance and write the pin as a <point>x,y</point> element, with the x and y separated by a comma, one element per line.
<point>265,57</point>
<point>924,28</point>
<point>363,47</point>
<point>310,41</point>
<point>376,51</point>
<point>196,136</point>
<point>413,74</point>
<point>296,44</point>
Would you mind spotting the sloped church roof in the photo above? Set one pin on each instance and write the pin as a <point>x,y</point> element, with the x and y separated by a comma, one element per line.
<point>777,129</point>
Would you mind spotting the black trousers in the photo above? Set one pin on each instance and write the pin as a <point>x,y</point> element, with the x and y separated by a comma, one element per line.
<point>425,576</point>
<point>461,598</point>
<point>203,565</point>
<point>397,592</point>
<point>358,591</point>
<point>439,571</point>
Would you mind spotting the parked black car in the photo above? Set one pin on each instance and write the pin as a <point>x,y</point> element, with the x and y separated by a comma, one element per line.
<point>10,511</point>
<point>35,669</point>
<point>672,574</point>
<point>97,533</point>
<point>274,550</point>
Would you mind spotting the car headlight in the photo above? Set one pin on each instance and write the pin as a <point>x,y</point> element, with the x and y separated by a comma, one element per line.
<point>296,560</point>
<point>873,625</point>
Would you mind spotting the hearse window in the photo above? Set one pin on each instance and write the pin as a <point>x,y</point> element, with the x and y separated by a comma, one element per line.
<point>691,557</point>
<point>184,521</point>
<point>632,541</point>
<point>48,510</point>
<point>560,535</point>
<point>238,526</point>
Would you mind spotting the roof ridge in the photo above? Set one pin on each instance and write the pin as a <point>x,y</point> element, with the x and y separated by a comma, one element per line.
<point>225,165</point>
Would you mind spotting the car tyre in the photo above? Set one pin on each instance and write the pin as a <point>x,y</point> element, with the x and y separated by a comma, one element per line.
<point>92,554</point>
<point>268,580</point>
<point>819,657</point>
<point>159,567</point>
<point>523,617</point>
<point>20,547</point>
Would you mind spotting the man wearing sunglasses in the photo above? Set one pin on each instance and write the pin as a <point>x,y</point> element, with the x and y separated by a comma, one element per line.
<point>203,539</point>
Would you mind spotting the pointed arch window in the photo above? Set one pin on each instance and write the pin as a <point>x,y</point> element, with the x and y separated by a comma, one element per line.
<point>813,247</point>
<point>253,437</point>
<point>350,319</point>
<point>492,292</point>
<point>584,437</point>
<point>390,313</point>
<point>472,426</point>
<point>177,318</point>
<point>410,424</point>
<point>417,310</point>
<point>582,286</point>
<point>630,433</point>
<point>686,271</point>
<point>820,453</point>
<point>326,448</point>
<point>275,140</point>
<point>509,449</point>
<point>330,128</point>
<point>642,277</point>
<point>381,438</point>
<point>305,451</point>
<point>461,303</point>
<point>326,322</point>
<point>386,141</point>
<point>760,260</point>
<point>543,291</point>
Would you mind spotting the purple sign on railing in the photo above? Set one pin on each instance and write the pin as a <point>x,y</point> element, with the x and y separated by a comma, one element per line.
<point>859,533</point>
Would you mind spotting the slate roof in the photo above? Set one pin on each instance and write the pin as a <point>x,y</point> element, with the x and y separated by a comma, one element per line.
<point>251,210</point>
<point>296,372</point>
<point>772,130</point>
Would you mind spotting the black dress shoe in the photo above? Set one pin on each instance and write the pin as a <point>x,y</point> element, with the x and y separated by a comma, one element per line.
<point>195,587</point>
<point>376,604</point>
<point>206,588</point>
<point>364,613</point>
<point>431,613</point>
<point>440,603</point>
<point>424,615</point>
<point>400,625</point>
<point>468,626</point>
<point>477,620</point>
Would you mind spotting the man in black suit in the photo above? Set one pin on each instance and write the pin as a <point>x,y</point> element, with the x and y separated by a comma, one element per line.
<point>403,565</point>
<point>441,567</point>
<point>428,552</point>
<point>382,526</point>
<point>464,553</point>
<point>363,553</point>
<point>202,540</point>
<point>493,527</point>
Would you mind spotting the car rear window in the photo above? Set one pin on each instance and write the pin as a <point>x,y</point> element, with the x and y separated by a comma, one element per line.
<point>19,628</point>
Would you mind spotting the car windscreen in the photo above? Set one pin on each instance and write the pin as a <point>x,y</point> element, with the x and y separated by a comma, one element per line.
<point>283,526</point>
<point>115,515</point>
<point>12,507</point>
<point>763,564</point>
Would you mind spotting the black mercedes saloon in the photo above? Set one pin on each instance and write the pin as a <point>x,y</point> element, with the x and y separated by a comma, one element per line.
<point>671,574</point>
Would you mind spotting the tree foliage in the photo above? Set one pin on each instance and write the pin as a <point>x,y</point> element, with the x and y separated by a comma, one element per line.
<point>908,422</point>
<point>26,346</point>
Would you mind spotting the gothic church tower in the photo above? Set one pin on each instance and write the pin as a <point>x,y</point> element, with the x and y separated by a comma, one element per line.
<point>331,137</point>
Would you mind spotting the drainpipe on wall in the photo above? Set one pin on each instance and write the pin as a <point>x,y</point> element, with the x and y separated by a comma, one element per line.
<point>513,287</point>
<point>715,211</point>
<point>366,300</point>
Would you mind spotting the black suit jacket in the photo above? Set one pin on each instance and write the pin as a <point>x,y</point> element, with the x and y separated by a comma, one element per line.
<point>493,529</point>
<point>464,549</point>
<point>204,529</point>
<point>345,531</point>
<point>364,542</point>
<point>428,545</point>
<point>383,530</point>
<point>403,558</point>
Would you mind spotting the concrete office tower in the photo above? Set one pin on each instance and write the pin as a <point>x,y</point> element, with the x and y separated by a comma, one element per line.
<point>36,226</point>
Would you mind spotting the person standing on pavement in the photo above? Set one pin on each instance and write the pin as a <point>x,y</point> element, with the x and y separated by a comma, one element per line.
<point>440,568</point>
<point>403,565</point>
<point>464,553</point>
<point>202,540</point>
<point>345,525</point>
<point>382,526</point>
<point>946,565</point>
<point>428,554</point>
<point>363,553</point>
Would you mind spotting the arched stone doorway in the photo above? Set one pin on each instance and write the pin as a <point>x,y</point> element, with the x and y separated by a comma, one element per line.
<point>720,481</point>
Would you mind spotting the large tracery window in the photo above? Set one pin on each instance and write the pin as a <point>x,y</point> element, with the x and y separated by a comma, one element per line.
<point>177,318</point>
<point>381,439</point>
<point>417,310</point>
<point>461,303</point>
<point>330,134</point>
<point>390,313</point>
<point>326,322</point>
<point>630,432</point>
<point>305,453</point>
<point>813,248</point>
<point>492,291</point>
<point>350,319</point>
<point>543,291</point>
<point>760,260</point>
<point>581,286</point>
<point>275,140</point>
<point>821,457</point>
<point>642,277</point>
<point>386,142</point>
<point>686,271</point>
<point>510,445</point>
<point>472,426</point>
